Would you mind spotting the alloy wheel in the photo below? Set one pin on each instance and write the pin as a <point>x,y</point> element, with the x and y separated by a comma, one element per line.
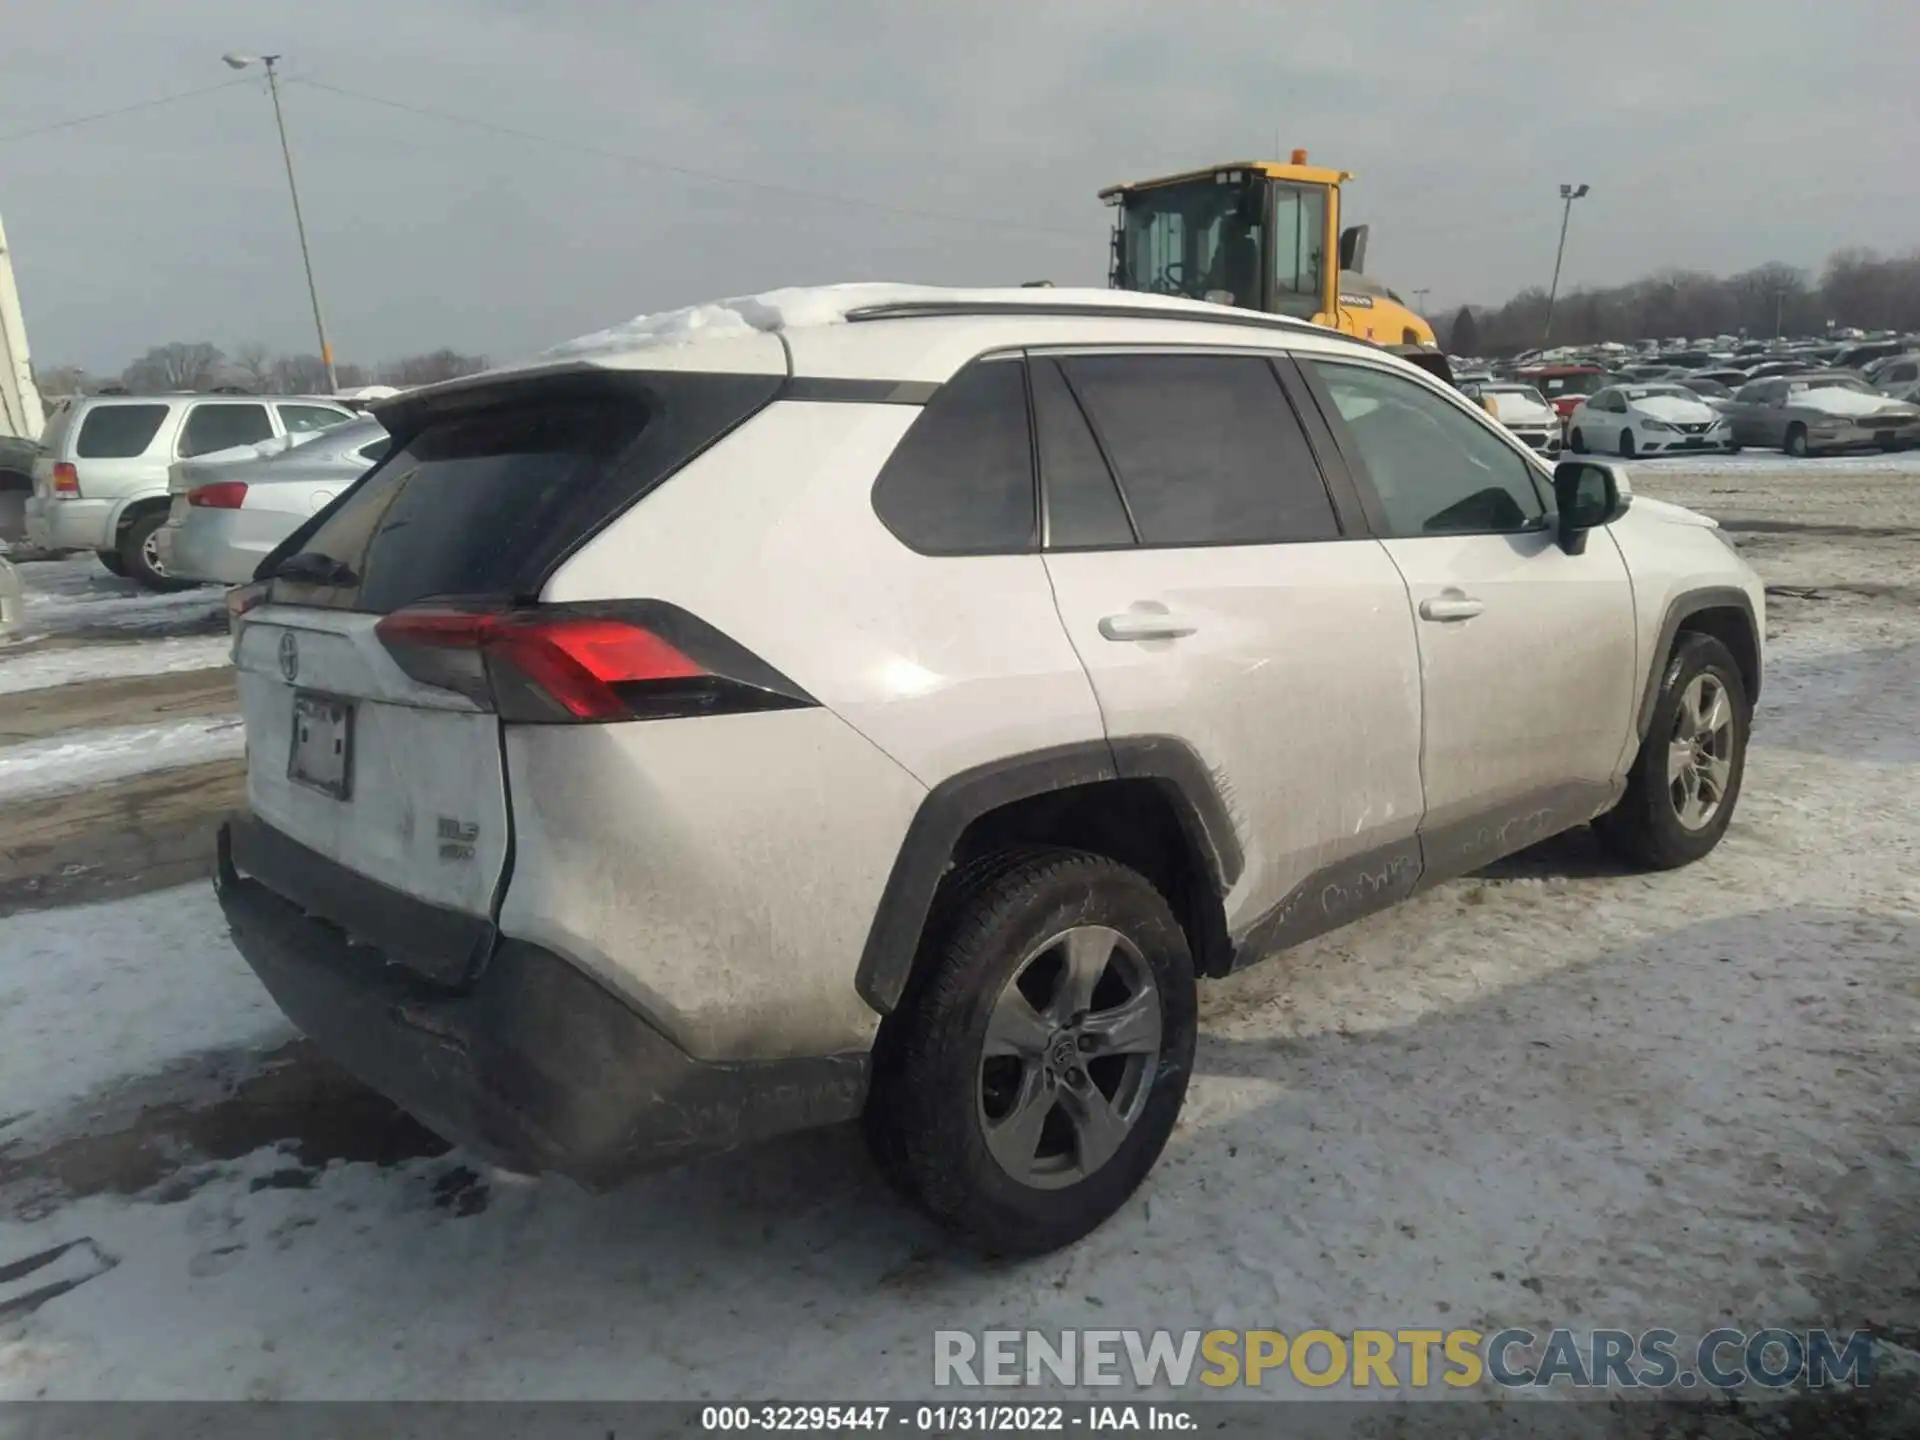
<point>1072,1045</point>
<point>1700,752</point>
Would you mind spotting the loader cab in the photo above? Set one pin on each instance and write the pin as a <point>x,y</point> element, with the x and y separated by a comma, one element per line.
<point>1251,235</point>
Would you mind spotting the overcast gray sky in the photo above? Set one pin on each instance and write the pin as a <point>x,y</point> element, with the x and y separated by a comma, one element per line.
<point>1716,134</point>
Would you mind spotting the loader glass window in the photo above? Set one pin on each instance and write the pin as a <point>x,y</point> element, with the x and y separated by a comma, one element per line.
<point>1299,248</point>
<point>1196,238</point>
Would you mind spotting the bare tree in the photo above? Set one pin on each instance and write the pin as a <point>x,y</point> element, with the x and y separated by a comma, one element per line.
<point>299,375</point>
<point>182,365</point>
<point>62,380</point>
<point>253,367</point>
<point>443,364</point>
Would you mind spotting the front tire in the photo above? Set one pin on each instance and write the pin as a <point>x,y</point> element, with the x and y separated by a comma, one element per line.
<point>110,562</point>
<point>1685,782</point>
<point>1796,445</point>
<point>141,558</point>
<point>1031,1075</point>
<point>1626,444</point>
<point>1578,442</point>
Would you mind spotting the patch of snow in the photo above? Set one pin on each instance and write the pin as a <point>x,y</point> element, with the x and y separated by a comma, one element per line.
<point>70,664</point>
<point>1840,400</point>
<point>81,758</point>
<point>1674,410</point>
<point>100,993</point>
<point>800,307</point>
<point>64,596</point>
<point>1771,464</point>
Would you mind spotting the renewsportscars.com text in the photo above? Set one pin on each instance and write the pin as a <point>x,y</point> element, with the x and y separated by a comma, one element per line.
<point>1405,1359</point>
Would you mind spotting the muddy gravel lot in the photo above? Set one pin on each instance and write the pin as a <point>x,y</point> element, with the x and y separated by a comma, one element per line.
<point>1549,1094</point>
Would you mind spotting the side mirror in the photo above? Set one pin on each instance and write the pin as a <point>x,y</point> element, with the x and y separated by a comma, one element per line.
<point>1588,494</point>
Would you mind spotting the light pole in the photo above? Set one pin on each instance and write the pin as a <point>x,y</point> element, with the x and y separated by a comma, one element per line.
<point>1569,194</point>
<point>1420,293</point>
<point>241,62</point>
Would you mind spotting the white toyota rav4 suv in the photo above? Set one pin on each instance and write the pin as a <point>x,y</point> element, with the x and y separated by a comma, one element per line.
<point>889,703</point>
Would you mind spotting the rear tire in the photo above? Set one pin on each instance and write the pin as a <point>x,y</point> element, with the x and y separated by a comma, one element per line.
<point>137,554</point>
<point>1578,442</point>
<point>1661,822</point>
<point>1033,1071</point>
<point>1626,444</point>
<point>110,561</point>
<point>1796,445</point>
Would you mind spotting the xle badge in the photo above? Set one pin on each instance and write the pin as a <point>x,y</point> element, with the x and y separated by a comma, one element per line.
<point>457,837</point>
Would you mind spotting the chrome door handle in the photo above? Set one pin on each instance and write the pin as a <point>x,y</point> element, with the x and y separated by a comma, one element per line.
<point>1145,625</point>
<point>1451,607</point>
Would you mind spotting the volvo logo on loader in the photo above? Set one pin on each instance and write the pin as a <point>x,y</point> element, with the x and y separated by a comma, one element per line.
<point>289,655</point>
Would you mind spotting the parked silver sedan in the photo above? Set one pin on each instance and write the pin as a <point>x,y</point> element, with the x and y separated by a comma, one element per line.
<point>1827,410</point>
<point>228,512</point>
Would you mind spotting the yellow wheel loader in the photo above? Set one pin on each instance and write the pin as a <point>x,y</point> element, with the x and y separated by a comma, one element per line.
<point>1257,234</point>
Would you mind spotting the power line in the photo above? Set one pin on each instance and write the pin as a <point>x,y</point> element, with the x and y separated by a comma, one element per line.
<point>688,172</point>
<point>123,110</point>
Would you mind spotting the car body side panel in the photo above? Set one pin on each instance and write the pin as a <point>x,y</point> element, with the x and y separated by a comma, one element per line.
<point>945,663</point>
<point>720,872</point>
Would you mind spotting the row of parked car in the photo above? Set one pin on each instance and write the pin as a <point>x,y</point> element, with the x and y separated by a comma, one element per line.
<point>1799,407</point>
<point>189,489</point>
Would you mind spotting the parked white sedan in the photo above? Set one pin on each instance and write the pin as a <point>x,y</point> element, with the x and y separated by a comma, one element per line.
<point>1651,419</point>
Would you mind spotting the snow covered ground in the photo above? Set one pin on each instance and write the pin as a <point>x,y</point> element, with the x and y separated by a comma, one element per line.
<point>81,758</point>
<point>1551,1093</point>
<point>66,664</point>
<point>77,597</point>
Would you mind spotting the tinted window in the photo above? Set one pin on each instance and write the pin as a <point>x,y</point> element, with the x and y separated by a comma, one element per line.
<point>1206,448</point>
<point>458,510</point>
<point>961,481</point>
<point>118,432</point>
<point>299,419</point>
<point>1436,469</point>
<point>220,427</point>
<point>1083,507</point>
<point>373,453</point>
<point>1751,394</point>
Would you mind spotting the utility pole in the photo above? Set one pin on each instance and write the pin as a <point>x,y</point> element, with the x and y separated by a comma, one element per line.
<point>1568,194</point>
<point>1420,294</point>
<point>241,62</point>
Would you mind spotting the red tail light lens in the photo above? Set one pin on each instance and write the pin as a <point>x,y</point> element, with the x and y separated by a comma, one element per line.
<point>221,495</point>
<point>66,479</point>
<point>564,664</point>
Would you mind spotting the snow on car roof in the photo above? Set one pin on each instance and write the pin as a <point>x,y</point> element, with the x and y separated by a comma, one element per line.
<point>805,307</point>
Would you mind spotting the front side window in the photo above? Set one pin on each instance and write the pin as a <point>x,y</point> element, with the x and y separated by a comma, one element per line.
<point>1299,248</point>
<point>1206,448</point>
<point>217,426</point>
<point>1436,470</point>
<point>961,480</point>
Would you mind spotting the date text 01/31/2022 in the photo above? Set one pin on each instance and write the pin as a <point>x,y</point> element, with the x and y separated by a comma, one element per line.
<point>944,1419</point>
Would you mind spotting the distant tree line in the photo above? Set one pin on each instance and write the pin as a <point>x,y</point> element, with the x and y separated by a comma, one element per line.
<point>1856,288</point>
<point>197,365</point>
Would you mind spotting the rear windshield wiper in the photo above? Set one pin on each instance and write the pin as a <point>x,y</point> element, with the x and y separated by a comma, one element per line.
<point>310,567</point>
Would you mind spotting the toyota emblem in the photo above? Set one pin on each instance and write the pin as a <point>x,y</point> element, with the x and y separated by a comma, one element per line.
<point>289,655</point>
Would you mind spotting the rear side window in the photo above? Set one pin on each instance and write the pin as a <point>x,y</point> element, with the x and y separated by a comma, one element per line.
<point>375,451</point>
<point>299,419</point>
<point>1206,448</point>
<point>961,480</point>
<point>118,432</point>
<point>1084,509</point>
<point>221,427</point>
<point>458,510</point>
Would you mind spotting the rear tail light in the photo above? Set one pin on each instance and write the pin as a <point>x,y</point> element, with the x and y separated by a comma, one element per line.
<point>571,663</point>
<point>66,479</point>
<point>221,495</point>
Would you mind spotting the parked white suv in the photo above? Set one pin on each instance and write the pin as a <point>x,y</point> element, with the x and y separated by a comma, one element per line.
<point>844,704</point>
<point>100,481</point>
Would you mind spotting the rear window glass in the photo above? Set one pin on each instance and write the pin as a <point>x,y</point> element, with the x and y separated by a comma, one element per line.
<point>118,432</point>
<point>460,509</point>
<point>961,481</point>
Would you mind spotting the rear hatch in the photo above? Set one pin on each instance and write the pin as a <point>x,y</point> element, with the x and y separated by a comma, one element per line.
<point>373,738</point>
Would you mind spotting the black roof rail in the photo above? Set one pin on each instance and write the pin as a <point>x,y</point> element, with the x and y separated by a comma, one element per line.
<point>1115,310</point>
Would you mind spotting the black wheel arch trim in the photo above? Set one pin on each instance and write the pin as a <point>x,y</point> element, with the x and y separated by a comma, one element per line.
<point>1679,610</point>
<point>955,803</point>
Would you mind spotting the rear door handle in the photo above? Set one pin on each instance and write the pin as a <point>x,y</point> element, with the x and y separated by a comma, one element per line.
<point>1451,607</point>
<point>1145,625</point>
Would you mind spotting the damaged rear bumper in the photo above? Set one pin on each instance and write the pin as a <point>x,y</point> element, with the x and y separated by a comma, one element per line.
<point>533,1066</point>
